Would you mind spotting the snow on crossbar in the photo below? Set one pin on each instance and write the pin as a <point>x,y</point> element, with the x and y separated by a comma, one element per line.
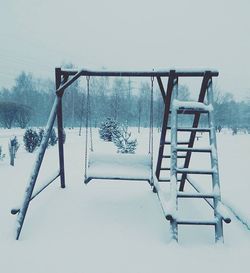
<point>119,166</point>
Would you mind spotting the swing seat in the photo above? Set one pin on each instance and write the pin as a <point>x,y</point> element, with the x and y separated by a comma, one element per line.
<point>119,167</point>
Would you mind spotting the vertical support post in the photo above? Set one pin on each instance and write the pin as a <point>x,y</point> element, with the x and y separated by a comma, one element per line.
<point>60,128</point>
<point>35,171</point>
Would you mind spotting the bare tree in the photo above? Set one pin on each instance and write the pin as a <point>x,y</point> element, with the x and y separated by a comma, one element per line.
<point>7,113</point>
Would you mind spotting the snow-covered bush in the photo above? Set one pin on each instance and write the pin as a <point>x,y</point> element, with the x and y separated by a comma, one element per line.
<point>64,136</point>
<point>2,156</point>
<point>31,140</point>
<point>234,130</point>
<point>108,128</point>
<point>13,147</point>
<point>52,138</point>
<point>122,140</point>
<point>40,135</point>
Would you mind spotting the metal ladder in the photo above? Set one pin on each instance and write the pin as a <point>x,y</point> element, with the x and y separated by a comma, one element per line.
<point>213,198</point>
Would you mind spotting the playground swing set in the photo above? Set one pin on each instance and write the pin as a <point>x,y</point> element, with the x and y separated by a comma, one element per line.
<point>174,109</point>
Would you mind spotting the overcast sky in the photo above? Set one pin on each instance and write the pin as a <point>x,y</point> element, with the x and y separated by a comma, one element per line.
<point>38,35</point>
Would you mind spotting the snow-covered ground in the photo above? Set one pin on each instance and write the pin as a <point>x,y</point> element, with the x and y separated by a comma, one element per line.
<point>117,226</point>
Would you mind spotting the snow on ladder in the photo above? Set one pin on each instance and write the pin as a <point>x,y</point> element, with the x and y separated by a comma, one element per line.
<point>214,197</point>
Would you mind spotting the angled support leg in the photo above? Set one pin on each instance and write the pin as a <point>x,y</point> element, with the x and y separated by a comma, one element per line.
<point>36,168</point>
<point>167,101</point>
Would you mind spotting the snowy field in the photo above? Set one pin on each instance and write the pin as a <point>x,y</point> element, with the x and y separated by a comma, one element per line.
<point>117,226</point>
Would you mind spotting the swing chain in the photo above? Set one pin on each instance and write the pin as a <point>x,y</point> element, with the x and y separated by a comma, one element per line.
<point>86,128</point>
<point>151,117</point>
<point>151,129</point>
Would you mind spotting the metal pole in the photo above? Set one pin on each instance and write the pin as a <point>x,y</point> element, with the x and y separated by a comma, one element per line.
<point>36,168</point>
<point>60,128</point>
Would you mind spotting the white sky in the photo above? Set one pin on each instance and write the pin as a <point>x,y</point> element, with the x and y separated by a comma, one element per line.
<point>38,35</point>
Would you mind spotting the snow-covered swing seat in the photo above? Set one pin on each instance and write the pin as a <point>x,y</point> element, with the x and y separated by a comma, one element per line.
<point>117,166</point>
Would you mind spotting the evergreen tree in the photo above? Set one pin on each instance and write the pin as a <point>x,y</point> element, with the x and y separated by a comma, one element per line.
<point>31,140</point>
<point>122,140</point>
<point>108,128</point>
<point>40,136</point>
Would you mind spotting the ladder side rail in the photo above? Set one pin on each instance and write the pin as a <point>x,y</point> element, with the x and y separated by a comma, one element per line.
<point>173,167</point>
<point>214,165</point>
<point>196,120</point>
<point>167,103</point>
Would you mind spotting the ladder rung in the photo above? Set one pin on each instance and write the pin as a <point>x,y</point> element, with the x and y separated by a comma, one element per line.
<point>197,150</point>
<point>165,169</point>
<point>181,194</point>
<point>166,180</point>
<point>193,129</point>
<point>197,222</point>
<point>193,171</point>
<point>178,143</point>
<point>169,156</point>
<point>191,111</point>
<point>166,156</point>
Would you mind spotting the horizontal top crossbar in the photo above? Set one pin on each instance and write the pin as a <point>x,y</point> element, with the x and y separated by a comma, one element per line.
<point>191,73</point>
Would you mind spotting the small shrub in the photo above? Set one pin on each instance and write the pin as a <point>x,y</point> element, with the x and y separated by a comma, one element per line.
<point>13,147</point>
<point>52,138</point>
<point>64,136</point>
<point>122,140</point>
<point>108,128</point>
<point>31,140</point>
<point>234,130</point>
<point>2,156</point>
<point>40,136</point>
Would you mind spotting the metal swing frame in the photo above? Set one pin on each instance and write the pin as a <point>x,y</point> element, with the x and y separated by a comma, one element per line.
<point>63,79</point>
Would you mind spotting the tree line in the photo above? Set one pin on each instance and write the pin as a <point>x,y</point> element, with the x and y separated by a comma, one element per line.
<point>29,101</point>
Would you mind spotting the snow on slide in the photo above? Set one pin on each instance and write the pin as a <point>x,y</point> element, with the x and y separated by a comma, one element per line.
<point>127,166</point>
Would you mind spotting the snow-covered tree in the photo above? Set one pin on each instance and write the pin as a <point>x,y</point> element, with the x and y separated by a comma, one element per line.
<point>108,128</point>
<point>40,136</point>
<point>52,138</point>
<point>122,140</point>
<point>31,140</point>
